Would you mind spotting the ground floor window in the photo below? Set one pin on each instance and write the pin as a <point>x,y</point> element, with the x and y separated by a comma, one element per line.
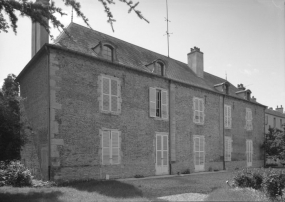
<point>110,147</point>
<point>199,153</point>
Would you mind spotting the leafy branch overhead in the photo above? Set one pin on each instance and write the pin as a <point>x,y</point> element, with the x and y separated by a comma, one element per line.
<point>40,10</point>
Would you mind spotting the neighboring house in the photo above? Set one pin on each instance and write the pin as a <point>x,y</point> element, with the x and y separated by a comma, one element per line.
<point>100,106</point>
<point>274,118</point>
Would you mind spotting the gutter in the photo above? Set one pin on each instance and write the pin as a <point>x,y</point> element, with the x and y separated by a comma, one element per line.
<point>223,115</point>
<point>169,126</point>
<point>49,141</point>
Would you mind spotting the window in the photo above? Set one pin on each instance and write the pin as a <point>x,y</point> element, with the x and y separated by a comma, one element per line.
<point>274,122</point>
<point>110,100</point>
<point>249,152</point>
<point>248,118</point>
<point>159,68</point>
<point>158,103</point>
<point>110,146</point>
<point>228,149</point>
<point>198,106</point>
<point>107,52</point>
<point>228,116</point>
<point>199,153</point>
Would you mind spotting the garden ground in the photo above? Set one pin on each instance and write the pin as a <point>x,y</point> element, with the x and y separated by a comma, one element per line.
<point>122,190</point>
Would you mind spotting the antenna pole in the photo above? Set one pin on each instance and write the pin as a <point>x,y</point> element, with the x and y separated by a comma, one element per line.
<point>167,33</point>
<point>72,15</point>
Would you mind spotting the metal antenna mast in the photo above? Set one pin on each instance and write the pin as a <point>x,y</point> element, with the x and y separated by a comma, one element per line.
<point>72,15</point>
<point>167,33</point>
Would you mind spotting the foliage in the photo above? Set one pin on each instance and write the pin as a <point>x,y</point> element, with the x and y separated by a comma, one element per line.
<point>40,10</point>
<point>187,171</point>
<point>274,144</point>
<point>274,183</point>
<point>14,174</point>
<point>249,178</point>
<point>11,140</point>
<point>138,176</point>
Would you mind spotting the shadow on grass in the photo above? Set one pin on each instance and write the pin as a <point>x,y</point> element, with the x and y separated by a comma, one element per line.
<point>30,197</point>
<point>110,188</point>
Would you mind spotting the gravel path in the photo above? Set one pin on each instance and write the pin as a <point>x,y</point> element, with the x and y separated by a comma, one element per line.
<point>185,197</point>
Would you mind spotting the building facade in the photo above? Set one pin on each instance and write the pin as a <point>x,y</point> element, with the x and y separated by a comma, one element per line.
<point>274,118</point>
<point>102,107</point>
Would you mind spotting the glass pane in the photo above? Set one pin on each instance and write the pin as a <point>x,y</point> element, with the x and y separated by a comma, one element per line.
<point>115,155</point>
<point>114,103</point>
<point>106,138</point>
<point>106,101</point>
<point>105,86</point>
<point>107,53</point>
<point>196,158</point>
<point>202,144</point>
<point>201,158</point>
<point>196,144</point>
<point>106,155</point>
<point>115,139</point>
<point>158,142</point>
<point>165,158</point>
<point>114,87</point>
<point>158,158</point>
<point>165,142</point>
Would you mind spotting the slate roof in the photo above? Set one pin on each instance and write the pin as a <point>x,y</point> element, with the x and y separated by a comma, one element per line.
<point>274,112</point>
<point>84,39</point>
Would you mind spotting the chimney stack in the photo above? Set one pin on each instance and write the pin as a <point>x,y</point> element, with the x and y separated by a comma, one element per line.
<point>279,109</point>
<point>39,35</point>
<point>196,61</point>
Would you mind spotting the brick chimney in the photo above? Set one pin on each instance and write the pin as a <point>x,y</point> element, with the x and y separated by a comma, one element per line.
<point>279,109</point>
<point>39,34</point>
<point>196,61</point>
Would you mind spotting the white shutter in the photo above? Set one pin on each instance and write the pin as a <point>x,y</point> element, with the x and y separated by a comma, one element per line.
<point>225,116</point>
<point>106,94</point>
<point>115,149</point>
<point>202,150</point>
<point>164,104</point>
<point>119,97</point>
<point>152,102</point>
<point>202,110</point>
<point>195,109</point>
<point>230,116</point>
<point>196,150</point>
<point>106,147</point>
<point>226,148</point>
<point>114,95</point>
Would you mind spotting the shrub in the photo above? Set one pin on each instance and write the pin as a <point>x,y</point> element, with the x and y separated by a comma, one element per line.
<point>138,176</point>
<point>15,174</point>
<point>249,178</point>
<point>187,171</point>
<point>274,183</point>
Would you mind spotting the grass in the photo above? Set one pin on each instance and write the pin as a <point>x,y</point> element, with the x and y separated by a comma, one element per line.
<point>133,190</point>
<point>237,194</point>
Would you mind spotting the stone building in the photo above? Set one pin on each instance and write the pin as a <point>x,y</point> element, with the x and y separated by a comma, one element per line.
<point>102,107</point>
<point>274,118</point>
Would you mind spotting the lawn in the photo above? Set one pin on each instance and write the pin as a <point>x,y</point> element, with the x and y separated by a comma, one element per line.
<point>123,190</point>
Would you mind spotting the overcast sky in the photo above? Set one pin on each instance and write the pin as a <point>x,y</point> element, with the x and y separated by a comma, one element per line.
<point>241,38</point>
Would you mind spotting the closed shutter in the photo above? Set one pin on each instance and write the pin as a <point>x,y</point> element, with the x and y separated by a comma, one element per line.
<point>229,116</point>
<point>152,102</point>
<point>114,95</point>
<point>196,110</point>
<point>225,116</point>
<point>250,120</point>
<point>202,110</point>
<point>119,96</point>
<point>106,147</point>
<point>196,150</point>
<point>106,93</point>
<point>226,149</point>
<point>202,150</point>
<point>164,104</point>
<point>115,150</point>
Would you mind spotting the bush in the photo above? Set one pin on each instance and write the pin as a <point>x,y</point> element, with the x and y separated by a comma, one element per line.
<point>274,183</point>
<point>249,178</point>
<point>187,171</point>
<point>15,174</point>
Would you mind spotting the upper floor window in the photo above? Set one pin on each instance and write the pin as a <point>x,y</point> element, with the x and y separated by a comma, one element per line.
<point>248,119</point>
<point>228,116</point>
<point>110,99</point>
<point>198,107</point>
<point>107,52</point>
<point>158,103</point>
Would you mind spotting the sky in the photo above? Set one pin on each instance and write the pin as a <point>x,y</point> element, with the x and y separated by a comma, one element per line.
<point>243,39</point>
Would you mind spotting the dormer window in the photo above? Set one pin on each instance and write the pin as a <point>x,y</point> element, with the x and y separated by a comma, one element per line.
<point>107,52</point>
<point>159,68</point>
<point>156,67</point>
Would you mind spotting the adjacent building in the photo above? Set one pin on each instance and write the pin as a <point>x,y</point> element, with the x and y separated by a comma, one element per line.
<point>274,118</point>
<point>102,107</point>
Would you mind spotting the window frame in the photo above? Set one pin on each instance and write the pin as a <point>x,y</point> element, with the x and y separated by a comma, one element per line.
<point>110,147</point>
<point>110,95</point>
<point>197,110</point>
<point>248,119</point>
<point>163,114</point>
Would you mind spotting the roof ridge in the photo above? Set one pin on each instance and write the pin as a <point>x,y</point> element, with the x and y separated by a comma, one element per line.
<point>129,43</point>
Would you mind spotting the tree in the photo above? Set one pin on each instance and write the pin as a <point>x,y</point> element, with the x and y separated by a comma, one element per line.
<point>274,144</point>
<point>11,139</point>
<point>40,11</point>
